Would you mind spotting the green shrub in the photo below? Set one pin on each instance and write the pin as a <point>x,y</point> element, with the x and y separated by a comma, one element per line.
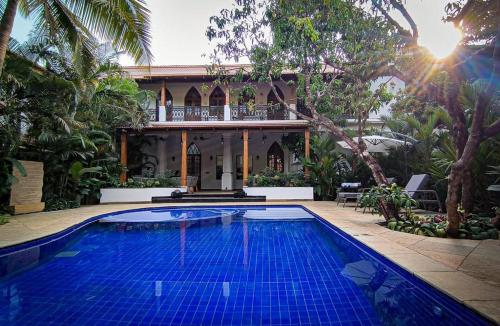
<point>388,201</point>
<point>56,204</point>
<point>165,180</point>
<point>271,178</point>
<point>4,218</point>
<point>474,227</point>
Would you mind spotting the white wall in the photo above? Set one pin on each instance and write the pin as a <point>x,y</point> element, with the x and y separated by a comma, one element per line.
<point>281,193</point>
<point>394,86</point>
<point>134,195</point>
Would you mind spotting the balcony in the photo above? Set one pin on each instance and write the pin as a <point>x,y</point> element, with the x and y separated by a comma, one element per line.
<point>216,113</point>
<point>189,113</point>
<point>259,112</point>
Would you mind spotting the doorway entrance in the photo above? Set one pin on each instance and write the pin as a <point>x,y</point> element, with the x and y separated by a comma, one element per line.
<point>194,163</point>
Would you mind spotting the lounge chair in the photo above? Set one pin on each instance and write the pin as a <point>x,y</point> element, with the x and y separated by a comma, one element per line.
<point>415,188</point>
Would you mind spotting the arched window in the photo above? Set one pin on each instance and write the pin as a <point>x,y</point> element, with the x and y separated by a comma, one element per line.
<point>276,112</point>
<point>193,98</point>
<point>218,97</point>
<point>193,149</point>
<point>275,157</point>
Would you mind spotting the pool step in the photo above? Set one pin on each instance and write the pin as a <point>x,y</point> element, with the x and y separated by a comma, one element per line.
<point>207,199</point>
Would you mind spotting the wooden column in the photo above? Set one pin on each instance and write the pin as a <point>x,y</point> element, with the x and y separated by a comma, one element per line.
<point>123,156</point>
<point>163,94</point>
<point>245,157</point>
<point>184,140</point>
<point>307,146</point>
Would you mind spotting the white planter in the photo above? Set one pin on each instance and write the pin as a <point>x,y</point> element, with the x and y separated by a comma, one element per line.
<point>281,193</point>
<point>135,195</point>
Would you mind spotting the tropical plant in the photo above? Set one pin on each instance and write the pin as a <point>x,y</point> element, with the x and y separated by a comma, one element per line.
<point>56,204</point>
<point>419,225</point>
<point>271,178</point>
<point>66,117</point>
<point>124,23</point>
<point>166,179</point>
<point>479,22</point>
<point>324,166</point>
<point>474,227</point>
<point>85,185</point>
<point>388,201</point>
<point>4,218</point>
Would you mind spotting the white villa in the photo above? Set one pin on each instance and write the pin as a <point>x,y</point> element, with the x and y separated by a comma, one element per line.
<point>202,130</point>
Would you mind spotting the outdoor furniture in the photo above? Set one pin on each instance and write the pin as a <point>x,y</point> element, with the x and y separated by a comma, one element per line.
<point>348,191</point>
<point>415,189</point>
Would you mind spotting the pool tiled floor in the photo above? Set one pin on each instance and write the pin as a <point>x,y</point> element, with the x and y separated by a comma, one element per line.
<point>468,270</point>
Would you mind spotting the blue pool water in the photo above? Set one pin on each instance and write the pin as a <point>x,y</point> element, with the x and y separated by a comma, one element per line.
<point>230,266</point>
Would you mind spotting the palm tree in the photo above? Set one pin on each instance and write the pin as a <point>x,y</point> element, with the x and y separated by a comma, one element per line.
<point>124,23</point>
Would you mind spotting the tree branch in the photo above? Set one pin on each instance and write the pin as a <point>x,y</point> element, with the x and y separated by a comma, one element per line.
<point>492,130</point>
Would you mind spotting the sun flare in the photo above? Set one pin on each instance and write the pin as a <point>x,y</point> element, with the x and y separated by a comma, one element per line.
<point>442,42</point>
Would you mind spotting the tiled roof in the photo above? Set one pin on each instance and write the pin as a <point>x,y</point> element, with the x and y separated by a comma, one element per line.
<point>139,72</point>
<point>143,72</point>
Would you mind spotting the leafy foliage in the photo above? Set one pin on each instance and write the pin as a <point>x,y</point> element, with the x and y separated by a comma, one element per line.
<point>123,23</point>
<point>474,227</point>
<point>56,204</point>
<point>324,166</point>
<point>337,49</point>
<point>165,179</point>
<point>66,118</point>
<point>4,219</point>
<point>271,178</point>
<point>388,200</point>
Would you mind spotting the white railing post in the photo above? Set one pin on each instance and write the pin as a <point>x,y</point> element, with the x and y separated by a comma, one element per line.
<point>227,112</point>
<point>162,114</point>
<point>291,114</point>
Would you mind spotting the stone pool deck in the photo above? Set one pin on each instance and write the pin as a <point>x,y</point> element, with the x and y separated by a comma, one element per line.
<point>468,270</point>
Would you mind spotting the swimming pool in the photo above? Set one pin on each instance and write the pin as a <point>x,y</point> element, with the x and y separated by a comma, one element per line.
<point>239,265</point>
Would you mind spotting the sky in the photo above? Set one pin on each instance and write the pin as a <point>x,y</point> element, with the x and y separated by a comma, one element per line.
<point>178,29</point>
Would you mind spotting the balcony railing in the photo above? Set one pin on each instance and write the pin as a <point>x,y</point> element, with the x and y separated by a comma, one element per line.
<point>259,112</point>
<point>216,113</point>
<point>190,113</point>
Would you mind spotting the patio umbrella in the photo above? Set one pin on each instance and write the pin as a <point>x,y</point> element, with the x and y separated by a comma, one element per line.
<point>376,143</point>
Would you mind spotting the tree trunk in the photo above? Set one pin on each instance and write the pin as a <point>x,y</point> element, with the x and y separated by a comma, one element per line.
<point>375,168</point>
<point>452,200</point>
<point>467,191</point>
<point>6,25</point>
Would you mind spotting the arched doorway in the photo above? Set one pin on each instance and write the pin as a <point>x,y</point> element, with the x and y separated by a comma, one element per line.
<point>277,112</point>
<point>192,98</point>
<point>192,101</point>
<point>194,162</point>
<point>217,98</point>
<point>275,157</point>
